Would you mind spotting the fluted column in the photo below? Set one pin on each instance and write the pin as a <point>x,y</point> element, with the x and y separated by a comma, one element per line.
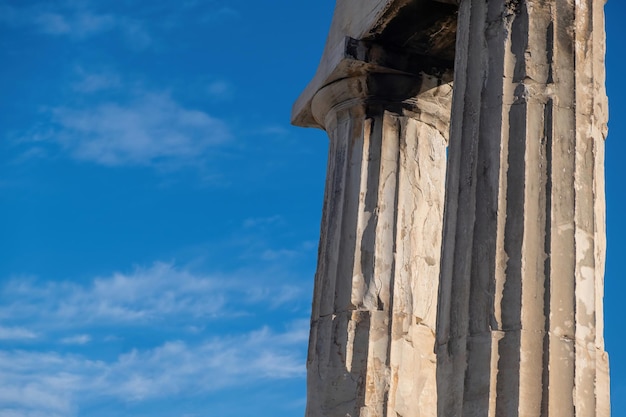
<point>374,307</point>
<point>520,310</point>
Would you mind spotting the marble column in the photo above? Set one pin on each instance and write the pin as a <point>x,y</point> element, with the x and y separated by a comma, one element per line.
<point>371,350</point>
<point>519,329</point>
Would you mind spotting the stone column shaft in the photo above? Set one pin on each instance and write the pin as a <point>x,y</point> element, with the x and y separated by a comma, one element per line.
<point>520,310</point>
<point>374,308</point>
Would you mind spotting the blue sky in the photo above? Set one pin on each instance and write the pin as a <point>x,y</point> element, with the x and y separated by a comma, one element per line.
<point>160,216</point>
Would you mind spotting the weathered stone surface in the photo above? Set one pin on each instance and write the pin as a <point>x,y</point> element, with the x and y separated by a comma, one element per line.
<point>374,308</point>
<point>506,320</point>
<point>386,110</point>
<point>404,34</point>
<point>519,327</point>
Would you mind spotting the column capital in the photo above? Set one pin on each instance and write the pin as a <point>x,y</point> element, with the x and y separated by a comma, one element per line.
<point>422,96</point>
<point>373,36</point>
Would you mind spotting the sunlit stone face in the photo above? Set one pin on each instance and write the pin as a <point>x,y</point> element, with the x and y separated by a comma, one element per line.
<point>493,305</point>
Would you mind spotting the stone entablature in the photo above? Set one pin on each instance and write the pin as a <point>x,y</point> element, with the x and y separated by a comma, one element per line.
<point>370,35</point>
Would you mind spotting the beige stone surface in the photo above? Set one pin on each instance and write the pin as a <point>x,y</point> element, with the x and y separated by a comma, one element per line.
<point>431,32</point>
<point>503,315</point>
<point>352,19</point>
<point>374,309</point>
<point>520,312</point>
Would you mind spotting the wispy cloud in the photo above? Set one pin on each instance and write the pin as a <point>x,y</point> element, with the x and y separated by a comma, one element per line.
<point>118,122</point>
<point>275,254</point>
<point>16,333</point>
<point>47,383</point>
<point>78,23</point>
<point>144,296</point>
<point>219,90</point>
<point>262,222</point>
<point>96,82</point>
<point>176,365</point>
<point>221,14</point>
<point>188,352</point>
<point>79,339</point>
<point>150,130</point>
<point>204,13</point>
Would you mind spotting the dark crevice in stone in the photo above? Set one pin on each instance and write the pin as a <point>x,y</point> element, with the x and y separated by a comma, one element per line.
<point>421,27</point>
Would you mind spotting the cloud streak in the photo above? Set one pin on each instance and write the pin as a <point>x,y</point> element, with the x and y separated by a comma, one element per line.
<point>151,130</point>
<point>16,333</point>
<point>75,23</point>
<point>48,383</point>
<point>144,296</point>
<point>96,82</point>
<point>79,339</point>
<point>165,320</point>
<point>78,25</point>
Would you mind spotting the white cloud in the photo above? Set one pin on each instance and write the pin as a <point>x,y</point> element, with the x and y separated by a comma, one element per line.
<point>276,297</point>
<point>95,82</point>
<point>220,90</point>
<point>47,383</point>
<point>77,23</point>
<point>79,339</point>
<point>151,130</point>
<point>221,14</point>
<point>262,222</point>
<point>205,13</point>
<point>144,296</point>
<point>33,382</point>
<point>186,354</point>
<point>140,128</point>
<point>52,23</point>
<point>275,130</point>
<point>16,333</point>
<point>12,412</point>
<point>177,366</point>
<point>276,254</point>
<point>136,33</point>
